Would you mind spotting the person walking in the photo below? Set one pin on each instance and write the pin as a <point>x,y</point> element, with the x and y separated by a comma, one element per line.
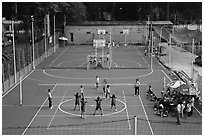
<point>98,105</point>
<point>50,99</point>
<point>137,87</point>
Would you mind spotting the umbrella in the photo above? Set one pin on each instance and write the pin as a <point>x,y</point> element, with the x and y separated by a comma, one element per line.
<point>175,84</point>
<point>63,38</point>
<point>187,90</point>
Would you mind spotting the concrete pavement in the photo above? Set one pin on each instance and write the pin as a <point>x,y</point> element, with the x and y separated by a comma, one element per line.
<point>181,59</point>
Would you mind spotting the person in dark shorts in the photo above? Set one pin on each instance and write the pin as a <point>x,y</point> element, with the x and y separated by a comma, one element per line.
<point>98,105</point>
<point>113,101</point>
<point>50,99</point>
<point>83,105</point>
<point>137,87</point>
<point>77,100</point>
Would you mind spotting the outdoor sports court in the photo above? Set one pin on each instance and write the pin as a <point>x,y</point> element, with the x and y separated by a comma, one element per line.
<point>64,72</point>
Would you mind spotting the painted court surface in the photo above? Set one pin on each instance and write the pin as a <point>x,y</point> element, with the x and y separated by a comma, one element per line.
<point>64,72</point>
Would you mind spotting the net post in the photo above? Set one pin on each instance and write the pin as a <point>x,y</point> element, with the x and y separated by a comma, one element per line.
<point>21,95</point>
<point>135,125</point>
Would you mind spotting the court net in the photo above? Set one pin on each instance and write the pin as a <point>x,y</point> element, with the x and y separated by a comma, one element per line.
<point>138,126</point>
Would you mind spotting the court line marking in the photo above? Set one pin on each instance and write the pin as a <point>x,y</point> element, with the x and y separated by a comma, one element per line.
<point>37,112</point>
<point>131,61</point>
<point>62,128</point>
<point>89,84</point>
<point>58,56</point>
<point>59,65</point>
<point>146,116</point>
<point>79,115</point>
<point>144,75</point>
<point>56,111</point>
<point>127,111</point>
<point>115,116</point>
<point>17,83</point>
<point>166,75</point>
<point>68,105</point>
<point>142,56</point>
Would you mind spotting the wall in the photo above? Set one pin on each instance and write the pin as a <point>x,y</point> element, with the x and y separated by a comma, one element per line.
<point>86,34</point>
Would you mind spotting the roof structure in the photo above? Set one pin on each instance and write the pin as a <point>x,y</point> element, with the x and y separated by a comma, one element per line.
<point>159,22</point>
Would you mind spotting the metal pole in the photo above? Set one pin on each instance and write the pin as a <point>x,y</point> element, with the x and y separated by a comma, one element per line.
<point>135,123</point>
<point>170,51</point>
<point>14,52</point>
<point>152,51</point>
<point>33,42</point>
<point>45,37</point>
<point>148,36</point>
<point>192,74</point>
<point>21,95</point>
<point>54,35</point>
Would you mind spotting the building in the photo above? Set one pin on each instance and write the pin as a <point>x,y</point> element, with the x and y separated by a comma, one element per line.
<point>84,33</point>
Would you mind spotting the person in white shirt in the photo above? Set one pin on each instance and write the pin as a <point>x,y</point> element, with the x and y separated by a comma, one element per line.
<point>50,99</point>
<point>97,81</point>
<point>107,92</point>
<point>178,113</point>
<point>81,91</point>
<point>192,105</point>
<point>137,87</point>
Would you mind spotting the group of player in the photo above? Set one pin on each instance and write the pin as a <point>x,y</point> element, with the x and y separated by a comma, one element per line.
<point>81,101</point>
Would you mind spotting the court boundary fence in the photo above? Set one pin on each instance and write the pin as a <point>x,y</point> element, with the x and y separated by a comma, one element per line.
<point>137,126</point>
<point>24,64</point>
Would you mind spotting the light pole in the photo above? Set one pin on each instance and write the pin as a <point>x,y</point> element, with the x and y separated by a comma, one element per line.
<point>32,19</point>
<point>170,51</point>
<point>45,29</point>
<point>54,34</point>
<point>14,52</point>
<point>152,37</point>
<point>192,71</point>
<point>148,34</point>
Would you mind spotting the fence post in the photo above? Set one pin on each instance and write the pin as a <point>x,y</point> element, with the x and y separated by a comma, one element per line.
<point>9,74</point>
<point>135,125</point>
<point>23,60</point>
<point>2,77</point>
<point>19,63</point>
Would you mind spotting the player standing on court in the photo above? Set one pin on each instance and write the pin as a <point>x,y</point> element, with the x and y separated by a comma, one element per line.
<point>97,81</point>
<point>50,99</point>
<point>82,91</point>
<point>77,100</point>
<point>83,105</point>
<point>104,86</point>
<point>113,101</point>
<point>107,91</point>
<point>137,87</point>
<point>98,105</point>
